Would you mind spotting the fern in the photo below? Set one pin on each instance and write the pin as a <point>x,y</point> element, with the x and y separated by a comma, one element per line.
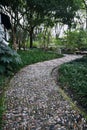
<point>9,59</point>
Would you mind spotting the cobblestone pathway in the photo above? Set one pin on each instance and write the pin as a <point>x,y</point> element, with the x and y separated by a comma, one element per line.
<point>34,102</point>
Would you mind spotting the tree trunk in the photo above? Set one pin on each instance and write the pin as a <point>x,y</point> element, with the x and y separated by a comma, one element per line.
<point>19,45</point>
<point>86,17</point>
<point>85,3</point>
<point>14,38</point>
<point>31,37</point>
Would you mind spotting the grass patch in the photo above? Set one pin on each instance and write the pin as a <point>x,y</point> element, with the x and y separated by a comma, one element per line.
<point>73,79</point>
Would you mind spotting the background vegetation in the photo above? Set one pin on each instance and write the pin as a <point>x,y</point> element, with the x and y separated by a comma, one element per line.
<point>76,40</point>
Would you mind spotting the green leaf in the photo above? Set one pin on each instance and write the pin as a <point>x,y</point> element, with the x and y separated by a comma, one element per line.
<point>6,59</point>
<point>2,69</point>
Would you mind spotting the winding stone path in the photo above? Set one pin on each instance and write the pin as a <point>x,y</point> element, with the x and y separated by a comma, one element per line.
<point>34,102</point>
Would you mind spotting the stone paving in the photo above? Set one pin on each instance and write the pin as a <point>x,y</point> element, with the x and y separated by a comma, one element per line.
<point>35,103</point>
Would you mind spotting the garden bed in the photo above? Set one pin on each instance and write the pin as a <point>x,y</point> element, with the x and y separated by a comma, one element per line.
<point>73,79</point>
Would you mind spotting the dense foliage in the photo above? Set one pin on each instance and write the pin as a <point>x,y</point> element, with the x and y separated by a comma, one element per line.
<point>9,59</point>
<point>76,39</point>
<point>73,79</point>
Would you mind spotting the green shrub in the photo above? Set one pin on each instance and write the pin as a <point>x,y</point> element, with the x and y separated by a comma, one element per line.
<point>9,59</point>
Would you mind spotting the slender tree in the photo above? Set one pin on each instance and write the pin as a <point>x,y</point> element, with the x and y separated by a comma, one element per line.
<point>85,5</point>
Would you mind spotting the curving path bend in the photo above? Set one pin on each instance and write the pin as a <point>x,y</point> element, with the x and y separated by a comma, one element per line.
<point>34,102</point>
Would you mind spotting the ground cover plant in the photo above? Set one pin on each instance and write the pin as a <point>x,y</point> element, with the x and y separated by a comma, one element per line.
<point>32,56</point>
<point>4,81</point>
<point>73,79</point>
